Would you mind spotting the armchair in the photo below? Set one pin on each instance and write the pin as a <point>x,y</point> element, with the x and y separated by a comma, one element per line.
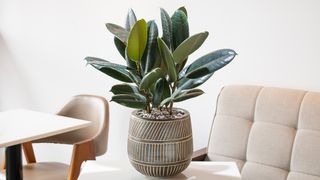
<point>271,133</point>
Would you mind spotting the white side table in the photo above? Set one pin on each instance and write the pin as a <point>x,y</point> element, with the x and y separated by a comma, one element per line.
<point>122,170</point>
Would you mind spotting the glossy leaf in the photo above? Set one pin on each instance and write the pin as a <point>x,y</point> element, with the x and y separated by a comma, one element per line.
<point>186,83</point>
<point>137,40</point>
<point>151,57</point>
<point>131,19</point>
<point>180,66</point>
<point>166,90</point>
<point>184,10</point>
<point>124,89</point>
<point>160,92</point>
<point>168,60</point>
<point>187,94</point>
<point>130,100</point>
<point>188,46</point>
<point>118,31</point>
<point>121,47</point>
<point>166,101</point>
<point>210,63</point>
<point>166,28</point>
<point>131,64</point>
<point>116,71</point>
<point>157,92</point>
<point>180,28</point>
<point>134,77</point>
<point>150,78</point>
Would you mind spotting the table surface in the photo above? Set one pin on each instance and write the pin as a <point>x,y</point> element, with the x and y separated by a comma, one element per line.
<point>122,170</point>
<point>19,126</point>
<point>2,176</point>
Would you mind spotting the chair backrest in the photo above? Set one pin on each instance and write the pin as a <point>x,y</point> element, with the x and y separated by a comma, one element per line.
<point>272,133</point>
<point>86,107</point>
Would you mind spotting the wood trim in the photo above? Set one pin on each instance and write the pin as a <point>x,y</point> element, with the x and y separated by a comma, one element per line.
<point>28,152</point>
<point>199,155</point>
<point>81,152</point>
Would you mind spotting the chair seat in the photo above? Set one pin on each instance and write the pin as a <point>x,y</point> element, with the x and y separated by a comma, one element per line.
<point>45,170</point>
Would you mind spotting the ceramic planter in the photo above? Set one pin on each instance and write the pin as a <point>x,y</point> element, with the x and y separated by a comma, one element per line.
<point>160,147</point>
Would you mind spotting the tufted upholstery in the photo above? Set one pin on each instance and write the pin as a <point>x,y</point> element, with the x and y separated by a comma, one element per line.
<point>272,133</point>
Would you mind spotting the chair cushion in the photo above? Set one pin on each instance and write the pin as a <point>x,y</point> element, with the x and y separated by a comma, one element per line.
<point>45,170</point>
<point>271,133</point>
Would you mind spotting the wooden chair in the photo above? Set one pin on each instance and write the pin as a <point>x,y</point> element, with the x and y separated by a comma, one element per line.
<point>87,143</point>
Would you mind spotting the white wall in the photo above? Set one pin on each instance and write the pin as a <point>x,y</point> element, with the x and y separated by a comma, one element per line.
<point>43,43</point>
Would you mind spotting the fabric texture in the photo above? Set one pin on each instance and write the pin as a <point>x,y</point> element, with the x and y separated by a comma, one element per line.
<point>271,133</point>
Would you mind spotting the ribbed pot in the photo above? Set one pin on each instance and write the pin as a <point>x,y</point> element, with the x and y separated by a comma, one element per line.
<point>160,147</point>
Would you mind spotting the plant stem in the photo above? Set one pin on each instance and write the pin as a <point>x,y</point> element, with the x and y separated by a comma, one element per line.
<point>170,107</point>
<point>138,69</point>
<point>148,108</point>
<point>171,103</point>
<point>147,95</point>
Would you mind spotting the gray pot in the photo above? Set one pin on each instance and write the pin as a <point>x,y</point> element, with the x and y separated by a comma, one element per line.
<point>160,147</point>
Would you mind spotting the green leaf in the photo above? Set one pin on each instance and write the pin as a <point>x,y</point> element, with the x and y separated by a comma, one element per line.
<point>166,28</point>
<point>121,47</point>
<point>168,60</point>
<point>157,92</point>
<point>166,90</point>
<point>116,71</point>
<point>124,89</point>
<point>180,66</point>
<point>131,19</point>
<point>166,101</point>
<point>160,92</point>
<point>118,31</point>
<point>130,100</point>
<point>180,28</point>
<point>134,77</point>
<point>150,78</point>
<point>188,46</point>
<point>187,94</point>
<point>137,40</point>
<point>210,63</point>
<point>186,83</point>
<point>184,10</point>
<point>131,64</point>
<point>151,57</point>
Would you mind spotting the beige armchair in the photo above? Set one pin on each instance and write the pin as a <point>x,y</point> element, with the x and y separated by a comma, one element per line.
<point>271,133</point>
<point>87,143</point>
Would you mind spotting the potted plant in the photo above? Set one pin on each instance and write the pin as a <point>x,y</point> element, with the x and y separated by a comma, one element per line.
<point>154,78</point>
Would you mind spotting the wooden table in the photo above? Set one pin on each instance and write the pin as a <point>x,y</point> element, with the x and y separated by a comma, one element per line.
<point>19,126</point>
<point>122,170</point>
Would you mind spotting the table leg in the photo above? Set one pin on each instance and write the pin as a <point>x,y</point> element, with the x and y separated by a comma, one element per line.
<point>14,163</point>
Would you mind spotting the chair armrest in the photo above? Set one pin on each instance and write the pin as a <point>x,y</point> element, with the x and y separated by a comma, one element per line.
<point>82,151</point>
<point>199,155</point>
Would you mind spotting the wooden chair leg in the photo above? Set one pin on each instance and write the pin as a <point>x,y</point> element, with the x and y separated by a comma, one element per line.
<point>28,152</point>
<point>81,152</point>
<point>3,164</point>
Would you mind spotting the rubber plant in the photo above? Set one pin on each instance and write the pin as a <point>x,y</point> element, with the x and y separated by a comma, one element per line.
<point>155,75</point>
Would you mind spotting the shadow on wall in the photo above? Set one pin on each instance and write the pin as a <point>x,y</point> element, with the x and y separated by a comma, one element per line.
<point>14,92</point>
